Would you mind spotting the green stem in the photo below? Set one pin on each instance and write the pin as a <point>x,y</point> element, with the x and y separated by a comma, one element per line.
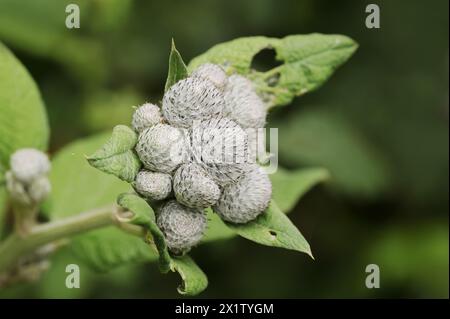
<point>17,245</point>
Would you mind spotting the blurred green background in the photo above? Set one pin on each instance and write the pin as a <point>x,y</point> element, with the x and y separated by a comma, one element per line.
<point>380,125</point>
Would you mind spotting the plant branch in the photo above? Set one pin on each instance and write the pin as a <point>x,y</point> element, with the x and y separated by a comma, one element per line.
<point>17,245</point>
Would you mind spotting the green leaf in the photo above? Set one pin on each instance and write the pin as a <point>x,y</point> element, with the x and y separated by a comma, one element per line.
<point>235,55</point>
<point>3,199</point>
<point>108,248</point>
<point>117,103</point>
<point>143,215</point>
<point>38,28</point>
<point>78,187</point>
<point>318,137</point>
<point>287,189</point>
<point>216,230</point>
<point>308,61</point>
<point>117,156</point>
<point>177,68</point>
<point>23,120</point>
<point>289,186</point>
<point>273,228</point>
<point>194,279</point>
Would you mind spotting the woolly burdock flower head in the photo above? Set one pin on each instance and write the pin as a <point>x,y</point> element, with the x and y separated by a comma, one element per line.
<point>243,104</point>
<point>146,116</point>
<point>28,164</point>
<point>162,148</point>
<point>220,146</point>
<point>153,185</point>
<point>213,73</point>
<point>190,99</point>
<point>183,227</point>
<point>194,188</point>
<point>245,200</point>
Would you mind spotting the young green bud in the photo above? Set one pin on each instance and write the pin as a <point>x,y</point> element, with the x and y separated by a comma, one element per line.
<point>27,164</point>
<point>153,185</point>
<point>162,148</point>
<point>194,188</point>
<point>183,227</point>
<point>192,99</point>
<point>245,200</point>
<point>213,73</point>
<point>146,116</point>
<point>243,104</point>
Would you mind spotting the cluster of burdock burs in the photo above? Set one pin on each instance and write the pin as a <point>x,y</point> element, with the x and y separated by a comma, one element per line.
<point>200,150</point>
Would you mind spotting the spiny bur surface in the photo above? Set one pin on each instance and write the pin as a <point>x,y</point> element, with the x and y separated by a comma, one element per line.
<point>191,99</point>
<point>183,227</point>
<point>243,104</point>
<point>213,73</point>
<point>162,148</point>
<point>194,188</point>
<point>245,200</point>
<point>146,116</point>
<point>153,185</point>
<point>220,146</point>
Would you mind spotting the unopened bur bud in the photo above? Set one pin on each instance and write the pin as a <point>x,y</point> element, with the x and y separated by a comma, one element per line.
<point>28,164</point>
<point>146,116</point>
<point>162,148</point>
<point>16,189</point>
<point>243,104</point>
<point>245,200</point>
<point>192,99</point>
<point>153,185</point>
<point>220,146</point>
<point>183,227</point>
<point>194,188</point>
<point>213,73</point>
<point>39,189</point>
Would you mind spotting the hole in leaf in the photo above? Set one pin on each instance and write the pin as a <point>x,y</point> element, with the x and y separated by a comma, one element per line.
<point>273,79</point>
<point>265,60</point>
<point>273,234</point>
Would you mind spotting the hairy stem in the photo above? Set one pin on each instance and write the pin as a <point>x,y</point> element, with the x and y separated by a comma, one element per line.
<point>17,245</point>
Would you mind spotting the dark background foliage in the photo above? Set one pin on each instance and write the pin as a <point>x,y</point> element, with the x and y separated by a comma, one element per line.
<point>380,125</point>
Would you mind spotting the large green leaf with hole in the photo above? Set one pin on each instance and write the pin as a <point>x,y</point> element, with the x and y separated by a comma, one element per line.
<point>307,62</point>
<point>79,187</point>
